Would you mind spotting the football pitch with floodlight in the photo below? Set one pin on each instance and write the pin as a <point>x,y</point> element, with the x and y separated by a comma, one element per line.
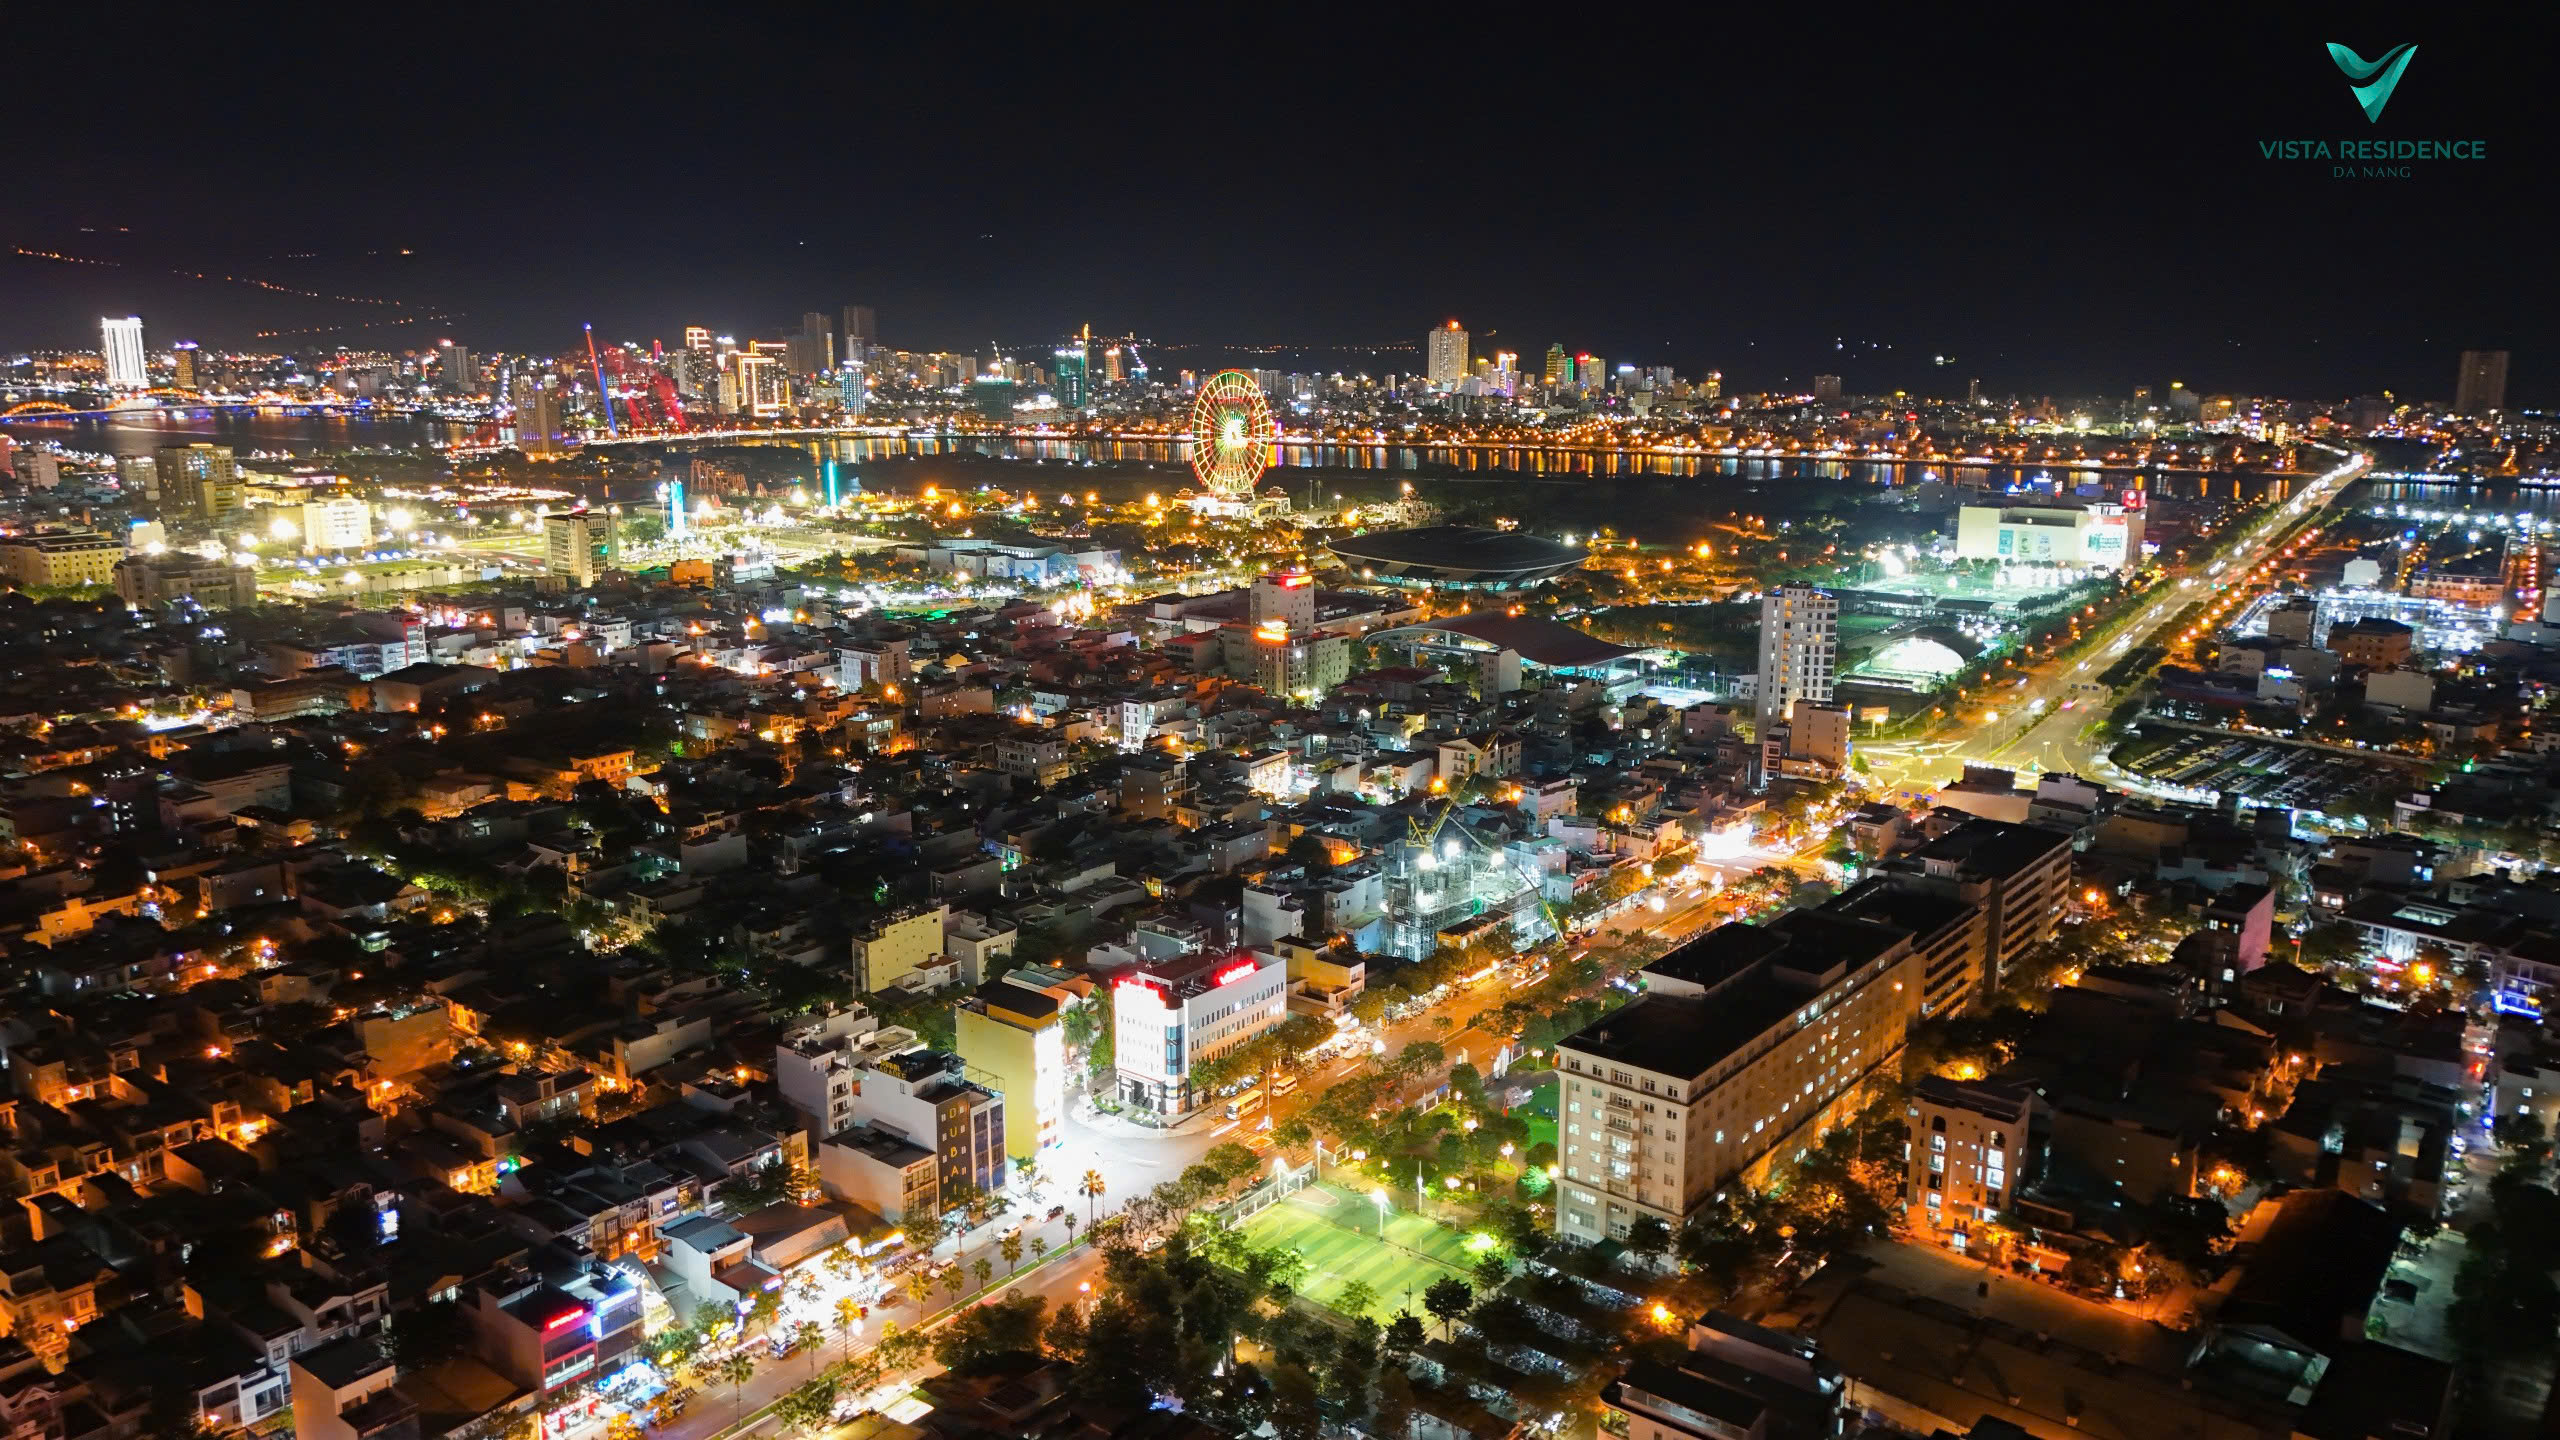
<point>1337,1230</point>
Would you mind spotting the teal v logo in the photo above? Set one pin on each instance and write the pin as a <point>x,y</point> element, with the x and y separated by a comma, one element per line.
<point>2383,74</point>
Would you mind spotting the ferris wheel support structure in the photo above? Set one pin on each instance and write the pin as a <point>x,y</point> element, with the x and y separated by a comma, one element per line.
<point>1233,435</point>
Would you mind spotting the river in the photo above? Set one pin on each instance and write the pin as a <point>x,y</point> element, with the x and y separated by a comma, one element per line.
<point>1639,488</point>
<point>248,432</point>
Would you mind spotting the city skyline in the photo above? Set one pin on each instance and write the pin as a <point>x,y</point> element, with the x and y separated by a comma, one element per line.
<point>1440,364</point>
<point>1057,723</point>
<point>1806,215</point>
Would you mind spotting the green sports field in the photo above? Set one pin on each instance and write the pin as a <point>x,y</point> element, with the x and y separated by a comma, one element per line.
<point>1337,1231</point>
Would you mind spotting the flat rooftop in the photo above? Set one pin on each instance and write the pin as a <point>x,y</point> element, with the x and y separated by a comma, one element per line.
<point>1995,847</point>
<point>1753,976</point>
<point>1720,955</point>
<point>1689,1034</point>
<point>1186,975</point>
<point>917,1065</point>
<point>1880,900</point>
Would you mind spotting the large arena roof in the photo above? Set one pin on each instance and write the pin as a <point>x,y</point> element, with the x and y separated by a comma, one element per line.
<point>1457,555</point>
<point>1548,644</point>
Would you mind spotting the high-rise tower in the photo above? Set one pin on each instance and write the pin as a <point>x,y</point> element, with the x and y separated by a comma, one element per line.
<point>1799,640</point>
<point>1444,355</point>
<point>861,332</point>
<point>120,341</point>
<point>457,369</point>
<point>1073,386</point>
<point>578,545</point>
<point>2481,387</point>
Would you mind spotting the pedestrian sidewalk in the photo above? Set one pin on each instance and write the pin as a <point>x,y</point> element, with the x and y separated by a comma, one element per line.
<point>1110,1124</point>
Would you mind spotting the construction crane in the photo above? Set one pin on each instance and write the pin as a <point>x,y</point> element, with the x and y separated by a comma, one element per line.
<point>1425,835</point>
<point>1427,904</point>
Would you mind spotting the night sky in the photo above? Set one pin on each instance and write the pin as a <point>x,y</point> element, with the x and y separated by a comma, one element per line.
<point>2056,208</point>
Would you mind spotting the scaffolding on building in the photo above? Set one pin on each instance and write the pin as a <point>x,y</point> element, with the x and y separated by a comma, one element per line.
<point>1445,881</point>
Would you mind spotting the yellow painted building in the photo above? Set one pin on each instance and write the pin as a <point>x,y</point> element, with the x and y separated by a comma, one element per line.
<point>898,946</point>
<point>1331,977</point>
<point>60,557</point>
<point>1014,1041</point>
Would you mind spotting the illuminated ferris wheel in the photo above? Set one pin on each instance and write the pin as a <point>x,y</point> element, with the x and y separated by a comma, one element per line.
<point>1232,434</point>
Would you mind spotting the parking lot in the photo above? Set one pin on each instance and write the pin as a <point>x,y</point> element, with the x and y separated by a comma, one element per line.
<point>2265,772</point>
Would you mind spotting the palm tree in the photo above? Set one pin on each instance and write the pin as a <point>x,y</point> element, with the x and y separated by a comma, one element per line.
<point>1091,1188</point>
<point>955,1282</point>
<point>985,1270</point>
<point>763,1311</point>
<point>735,1372</point>
<point>1040,1246</point>
<point>848,1320</point>
<point>1011,1248</point>
<point>808,1337</point>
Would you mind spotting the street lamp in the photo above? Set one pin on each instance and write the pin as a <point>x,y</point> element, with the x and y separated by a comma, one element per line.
<point>1378,1197</point>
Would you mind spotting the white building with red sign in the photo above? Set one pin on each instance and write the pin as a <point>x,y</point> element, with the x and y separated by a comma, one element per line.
<point>1171,1015</point>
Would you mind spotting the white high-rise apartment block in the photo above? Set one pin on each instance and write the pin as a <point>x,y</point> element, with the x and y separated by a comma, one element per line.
<point>121,343</point>
<point>1799,642</point>
<point>1444,355</point>
<point>579,546</point>
<point>334,526</point>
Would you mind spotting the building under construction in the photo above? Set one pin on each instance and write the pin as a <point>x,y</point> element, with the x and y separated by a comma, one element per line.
<point>1447,886</point>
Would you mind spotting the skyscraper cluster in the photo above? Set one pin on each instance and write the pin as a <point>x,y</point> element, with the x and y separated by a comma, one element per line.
<point>1569,369</point>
